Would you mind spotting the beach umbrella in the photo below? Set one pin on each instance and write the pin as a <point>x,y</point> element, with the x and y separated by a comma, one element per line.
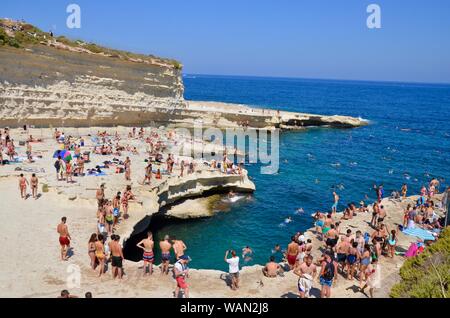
<point>67,156</point>
<point>59,153</point>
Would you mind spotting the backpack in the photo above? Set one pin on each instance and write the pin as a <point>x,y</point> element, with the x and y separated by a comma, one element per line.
<point>329,271</point>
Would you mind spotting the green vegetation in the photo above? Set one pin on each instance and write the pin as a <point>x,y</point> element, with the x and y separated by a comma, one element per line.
<point>428,274</point>
<point>28,35</point>
<point>177,64</point>
<point>7,40</point>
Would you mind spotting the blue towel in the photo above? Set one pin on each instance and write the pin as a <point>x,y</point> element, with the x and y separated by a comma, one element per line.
<point>420,233</point>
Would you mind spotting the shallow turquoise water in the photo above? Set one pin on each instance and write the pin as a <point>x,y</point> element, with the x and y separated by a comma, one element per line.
<point>409,137</point>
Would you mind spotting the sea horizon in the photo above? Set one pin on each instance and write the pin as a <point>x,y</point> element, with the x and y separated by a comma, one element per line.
<point>294,78</point>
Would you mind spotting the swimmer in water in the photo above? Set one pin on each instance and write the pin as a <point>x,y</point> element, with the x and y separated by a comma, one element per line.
<point>231,194</point>
<point>288,220</point>
<point>246,253</point>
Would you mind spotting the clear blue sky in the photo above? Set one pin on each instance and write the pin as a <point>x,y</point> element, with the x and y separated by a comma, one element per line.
<point>289,38</point>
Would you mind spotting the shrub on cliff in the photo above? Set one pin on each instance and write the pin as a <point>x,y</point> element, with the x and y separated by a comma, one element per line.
<point>428,274</point>
<point>7,40</point>
<point>177,65</point>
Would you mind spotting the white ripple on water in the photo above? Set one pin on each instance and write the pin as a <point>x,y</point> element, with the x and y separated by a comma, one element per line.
<point>299,211</point>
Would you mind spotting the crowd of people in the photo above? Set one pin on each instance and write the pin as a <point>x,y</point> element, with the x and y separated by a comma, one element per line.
<point>353,254</point>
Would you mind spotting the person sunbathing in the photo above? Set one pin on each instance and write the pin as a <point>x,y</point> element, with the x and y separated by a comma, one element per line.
<point>272,269</point>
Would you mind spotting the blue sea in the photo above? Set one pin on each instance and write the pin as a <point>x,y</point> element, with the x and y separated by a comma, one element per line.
<point>407,141</point>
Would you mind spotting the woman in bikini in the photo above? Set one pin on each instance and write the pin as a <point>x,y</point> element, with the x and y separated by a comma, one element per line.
<point>392,243</point>
<point>365,261</point>
<point>92,249</point>
<point>127,165</point>
<point>125,203</point>
<point>68,171</point>
<point>34,185</point>
<point>23,186</point>
<point>406,215</point>
<point>100,254</point>
<point>11,150</point>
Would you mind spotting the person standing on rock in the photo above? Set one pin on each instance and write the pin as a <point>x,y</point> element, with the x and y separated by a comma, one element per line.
<point>127,165</point>
<point>307,272</point>
<point>292,252</point>
<point>69,171</point>
<point>181,272</point>
<point>336,202</point>
<point>182,168</point>
<point>233,270</point>
<point>148,174</point>
<point>23,182</point>
<point>178,247</point>
<point>64,238</point>
<point>148,256</point>
<point>100,196</point>
<point>116,256</point>
<point>34,185</point>
<point>328,275</point>
<point>404,190</point>
<point>165,247</point>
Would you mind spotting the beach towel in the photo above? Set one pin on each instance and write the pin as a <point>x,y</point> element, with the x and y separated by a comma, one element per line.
<point>97,174</point>
<point>412,250</point>
<point>420,233</point>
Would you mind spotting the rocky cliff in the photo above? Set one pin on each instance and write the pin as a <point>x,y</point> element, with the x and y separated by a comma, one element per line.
<point>54,81</point>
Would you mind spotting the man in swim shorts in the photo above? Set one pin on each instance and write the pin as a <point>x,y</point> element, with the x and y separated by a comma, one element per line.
<point>292,252</point>
<point>148,256</point>
<point>116,256</point>
<point>64,238</point>
<point>181,272</point>
<point>331,237</point>
<point>336,202</point>
<point>307,272</point>
<point>165,247</point>
<point>178,247</point>
<point>100,195</point>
